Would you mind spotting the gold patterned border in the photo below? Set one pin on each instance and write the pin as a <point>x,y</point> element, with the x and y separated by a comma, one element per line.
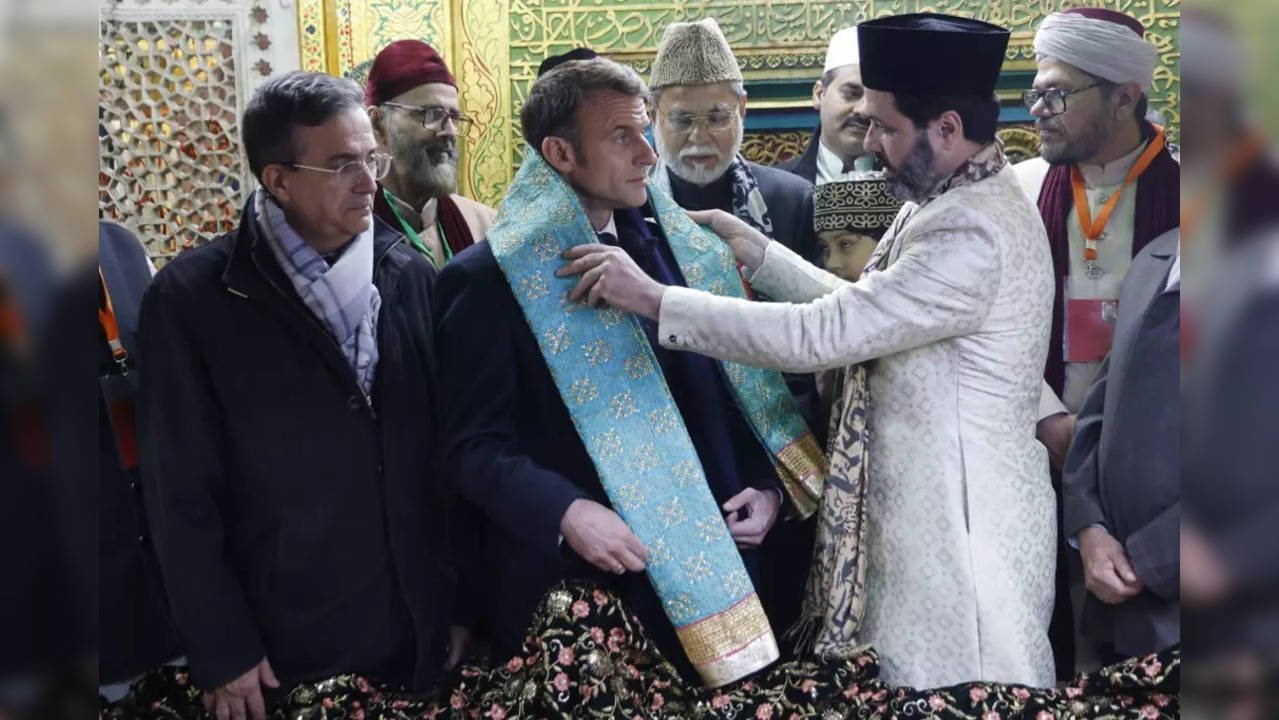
<point>773,147</point>
<point>483,53</point>
<point>311,36</point>
<point>1021,142</point>
<point>731,644</point>
<point>494,47</point>
<point>802,468</point>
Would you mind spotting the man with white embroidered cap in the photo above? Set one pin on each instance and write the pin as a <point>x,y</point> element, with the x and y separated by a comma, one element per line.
<point>836,149</point>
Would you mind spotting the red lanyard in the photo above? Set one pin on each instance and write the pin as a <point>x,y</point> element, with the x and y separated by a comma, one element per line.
<point>106,318</point>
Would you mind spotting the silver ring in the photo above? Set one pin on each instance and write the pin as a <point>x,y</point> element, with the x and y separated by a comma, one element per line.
<point>619,569</point>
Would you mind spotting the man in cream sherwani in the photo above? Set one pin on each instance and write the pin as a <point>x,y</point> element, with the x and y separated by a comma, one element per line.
<point>952,316</point>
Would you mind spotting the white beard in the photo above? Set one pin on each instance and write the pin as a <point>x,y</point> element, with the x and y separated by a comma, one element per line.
<point>696,174</point>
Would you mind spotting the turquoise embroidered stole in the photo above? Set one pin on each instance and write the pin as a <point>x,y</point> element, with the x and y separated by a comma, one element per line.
<point>617,397</point>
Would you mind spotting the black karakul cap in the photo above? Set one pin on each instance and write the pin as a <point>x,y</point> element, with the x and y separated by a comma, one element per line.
<point>931,54</point>
<point>554,61</point>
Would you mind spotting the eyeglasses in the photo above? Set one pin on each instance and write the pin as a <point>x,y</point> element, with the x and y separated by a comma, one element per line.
<point>378,165</point>
<point>1054,99</point>
<point>715,121</point>
<point>434,117</point>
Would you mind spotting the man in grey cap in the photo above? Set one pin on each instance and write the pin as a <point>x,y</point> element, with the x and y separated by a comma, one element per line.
<point>698,93</point>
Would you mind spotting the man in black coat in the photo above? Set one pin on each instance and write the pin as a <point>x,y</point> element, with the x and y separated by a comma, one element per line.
<point>700,100</point>
<point>510,444</point>
<point>287,425</point>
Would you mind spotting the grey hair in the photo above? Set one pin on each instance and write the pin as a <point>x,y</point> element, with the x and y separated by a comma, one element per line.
<point>552,103</point>
<point>738,88</point>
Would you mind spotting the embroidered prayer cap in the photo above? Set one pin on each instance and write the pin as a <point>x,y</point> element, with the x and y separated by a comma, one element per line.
<point>843,50</point>
<point>860,205</point>
<point>931,54</point>
<point>402,66</point>
<point>1101,42</point>
<point>693,53</point>
<point>554,61</point>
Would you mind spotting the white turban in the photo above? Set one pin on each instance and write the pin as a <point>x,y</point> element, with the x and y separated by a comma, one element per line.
<point>1109,50</point>
<point>843,50</point>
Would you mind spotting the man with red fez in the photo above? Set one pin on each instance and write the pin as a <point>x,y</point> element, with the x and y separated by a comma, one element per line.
<point>413,103</point>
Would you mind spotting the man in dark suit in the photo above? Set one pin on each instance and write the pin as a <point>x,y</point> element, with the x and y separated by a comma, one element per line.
<point>1122,479</point>
<point>700,100</point>
<point>288,451</point>
<point>510,444</point>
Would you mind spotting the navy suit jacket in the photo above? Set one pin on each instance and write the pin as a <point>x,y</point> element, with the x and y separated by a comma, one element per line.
<point>511,448</point>
<point>805,164</point>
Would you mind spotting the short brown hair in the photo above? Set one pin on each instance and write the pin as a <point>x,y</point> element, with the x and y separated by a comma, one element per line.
<point>553,101</point>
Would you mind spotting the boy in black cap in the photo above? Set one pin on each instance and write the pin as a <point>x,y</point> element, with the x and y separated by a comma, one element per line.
<point>850,216</point>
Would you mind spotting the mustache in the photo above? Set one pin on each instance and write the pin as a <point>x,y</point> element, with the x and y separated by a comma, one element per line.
<point>440,150</point>
<point>855,121</point>
<point>698,150</point>
<point>883,160</point>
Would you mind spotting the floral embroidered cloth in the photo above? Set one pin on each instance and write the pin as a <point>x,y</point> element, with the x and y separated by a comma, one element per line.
<point>586,657</point>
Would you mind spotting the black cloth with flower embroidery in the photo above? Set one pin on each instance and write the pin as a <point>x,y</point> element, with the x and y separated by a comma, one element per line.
<point>586,657</point>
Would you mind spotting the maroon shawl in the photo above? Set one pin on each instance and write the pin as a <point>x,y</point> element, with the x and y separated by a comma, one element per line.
<point>456,232</point>
<point>1158,210</point>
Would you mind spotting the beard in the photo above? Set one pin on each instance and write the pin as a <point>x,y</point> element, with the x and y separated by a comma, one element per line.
<point>914,179</point>
<point>696,174</point>
<point>430,165</point>
<point>1065,150</point>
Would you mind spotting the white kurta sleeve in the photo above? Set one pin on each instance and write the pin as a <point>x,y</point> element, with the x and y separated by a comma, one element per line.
<point>943,284</point>
<point>787,277</point>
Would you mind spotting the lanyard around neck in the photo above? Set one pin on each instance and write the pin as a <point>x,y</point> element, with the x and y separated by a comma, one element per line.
<point>1093,228</point>
<point>414,239</point>
<point>110,328</point>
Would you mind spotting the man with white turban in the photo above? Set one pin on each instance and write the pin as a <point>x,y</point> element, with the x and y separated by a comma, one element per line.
<point>1106,186</point>
<point>836,152</point>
